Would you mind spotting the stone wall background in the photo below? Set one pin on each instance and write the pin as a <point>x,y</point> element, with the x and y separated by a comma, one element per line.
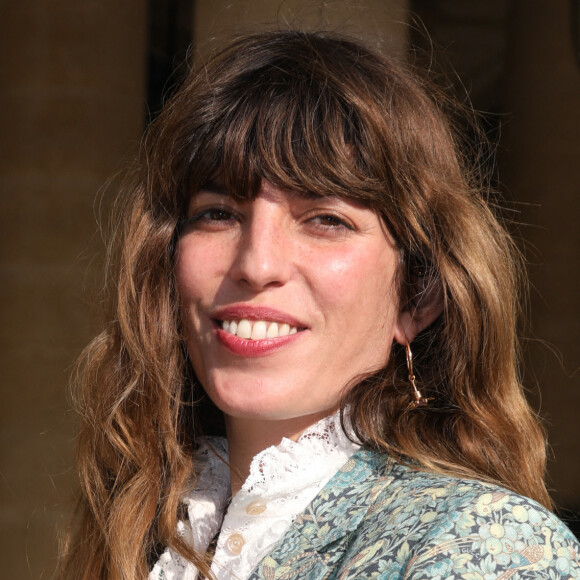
<point>74,100</point>
<point>73,103</point>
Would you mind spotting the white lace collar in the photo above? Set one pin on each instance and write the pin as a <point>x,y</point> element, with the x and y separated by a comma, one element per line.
<point>283,480</point>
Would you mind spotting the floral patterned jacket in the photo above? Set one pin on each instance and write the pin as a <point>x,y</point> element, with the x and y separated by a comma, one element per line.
<point>379,519</point>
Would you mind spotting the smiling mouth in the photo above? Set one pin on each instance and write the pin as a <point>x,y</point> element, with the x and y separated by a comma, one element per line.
<point>257,329</point>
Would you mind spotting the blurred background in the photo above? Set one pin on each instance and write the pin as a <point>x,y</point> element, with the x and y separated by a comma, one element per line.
<point>80,81</point>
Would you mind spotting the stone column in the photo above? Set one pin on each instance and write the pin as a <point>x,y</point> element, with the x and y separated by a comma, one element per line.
<point>72,103</point>
<point>539,164</point>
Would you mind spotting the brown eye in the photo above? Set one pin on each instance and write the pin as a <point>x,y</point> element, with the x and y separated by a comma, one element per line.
<point>330,221</point>
<point>212,214</point>
<point>212,218</point>
<point>215,214</point>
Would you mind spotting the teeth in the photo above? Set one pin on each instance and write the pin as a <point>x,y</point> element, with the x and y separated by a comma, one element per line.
<point>257,329</point>
<point>244,329</point>
<point>273,330</point>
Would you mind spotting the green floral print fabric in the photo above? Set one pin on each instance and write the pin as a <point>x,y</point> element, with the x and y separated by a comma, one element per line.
<point>380,519</point>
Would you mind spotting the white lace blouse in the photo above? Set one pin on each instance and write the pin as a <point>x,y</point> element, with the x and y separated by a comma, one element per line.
<point>283,480</point>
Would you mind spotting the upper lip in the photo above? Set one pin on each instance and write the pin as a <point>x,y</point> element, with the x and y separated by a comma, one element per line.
<point>255,312</point>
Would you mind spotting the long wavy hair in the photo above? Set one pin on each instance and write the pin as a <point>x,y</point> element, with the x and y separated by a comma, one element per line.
<point>310,112</point>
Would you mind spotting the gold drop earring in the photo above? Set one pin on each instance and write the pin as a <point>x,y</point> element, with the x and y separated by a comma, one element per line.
<point>418,399</point>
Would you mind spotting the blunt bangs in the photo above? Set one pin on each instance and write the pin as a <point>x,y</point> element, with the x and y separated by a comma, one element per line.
<point>289,117</point>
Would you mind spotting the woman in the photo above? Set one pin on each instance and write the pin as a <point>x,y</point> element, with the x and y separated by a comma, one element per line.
<point>306,263</point>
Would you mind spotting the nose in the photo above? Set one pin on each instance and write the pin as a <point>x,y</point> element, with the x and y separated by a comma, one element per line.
<point>264,256</point>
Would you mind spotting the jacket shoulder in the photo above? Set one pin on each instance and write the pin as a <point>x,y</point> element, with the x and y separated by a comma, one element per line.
<point>423,525</point>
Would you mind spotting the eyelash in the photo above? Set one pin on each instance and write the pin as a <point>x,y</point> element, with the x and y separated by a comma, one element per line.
<point>325,222</point>
<point>209,215</point>
<point>330,221</point>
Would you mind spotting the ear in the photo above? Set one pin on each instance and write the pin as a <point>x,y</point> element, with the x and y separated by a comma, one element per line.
<point>418,315</point>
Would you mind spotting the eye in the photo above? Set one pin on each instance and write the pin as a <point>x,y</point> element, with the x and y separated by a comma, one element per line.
<point>214,214</point>
<point>212,218</point>
<point>329,221</point>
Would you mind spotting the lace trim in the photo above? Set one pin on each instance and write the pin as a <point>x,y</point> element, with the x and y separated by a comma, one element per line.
<point>283,480</point>
<point>205,505</point>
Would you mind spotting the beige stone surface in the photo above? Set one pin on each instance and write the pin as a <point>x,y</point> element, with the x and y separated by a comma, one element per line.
<point>72,96</point>
<point>382,22</point>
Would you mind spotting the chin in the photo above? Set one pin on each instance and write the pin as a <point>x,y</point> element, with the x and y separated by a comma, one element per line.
<point>257,410</point>
<point>263,408</point>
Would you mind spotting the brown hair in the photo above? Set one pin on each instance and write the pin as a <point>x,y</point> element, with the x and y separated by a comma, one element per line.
<point>308,112</point>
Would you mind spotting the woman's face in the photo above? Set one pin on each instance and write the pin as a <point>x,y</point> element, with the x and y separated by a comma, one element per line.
<point>285,299</point>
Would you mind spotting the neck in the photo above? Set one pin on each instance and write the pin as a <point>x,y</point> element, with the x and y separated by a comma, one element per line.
<point>247,437</point>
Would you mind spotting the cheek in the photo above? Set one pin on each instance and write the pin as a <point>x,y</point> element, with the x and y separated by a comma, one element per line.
<point>361,279</point>
<point>334,272</point>
<point>196,270</point>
